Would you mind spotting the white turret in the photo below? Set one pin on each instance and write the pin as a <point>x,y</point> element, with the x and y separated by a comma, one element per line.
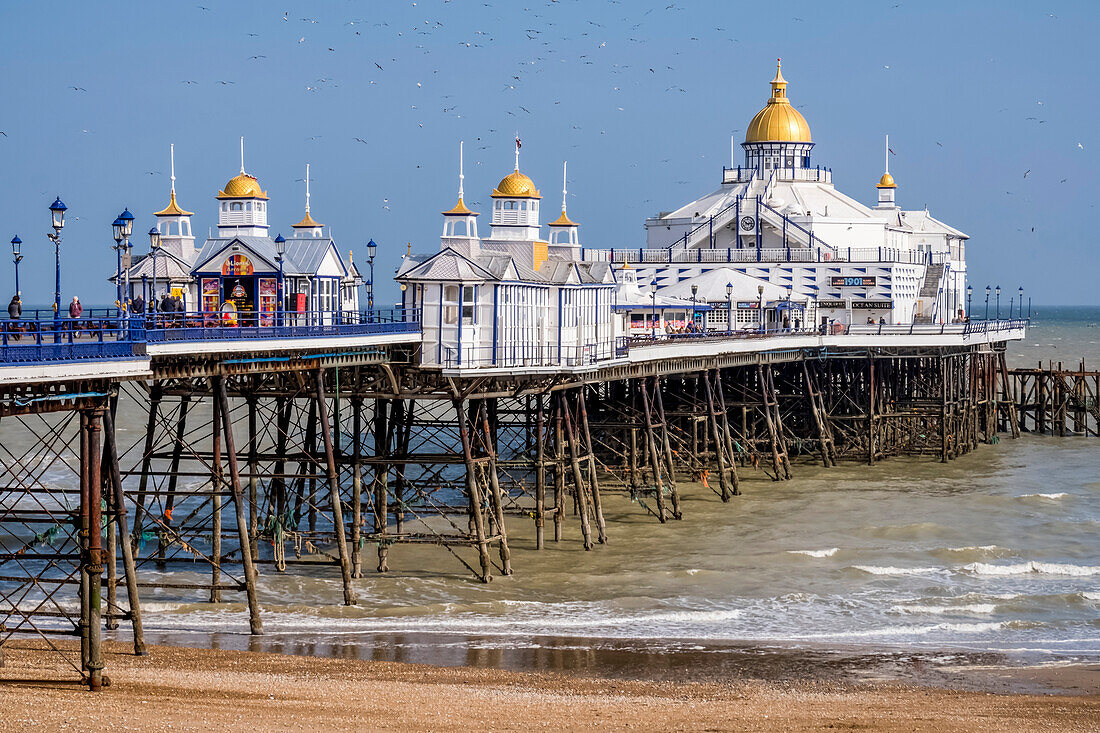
<point>564,240</point>
<point>307,227</point>
<point>516,207</point>
<point>460,223</point>
<point>173,223</point>
<point>243,206</point>
<point>886,186</point>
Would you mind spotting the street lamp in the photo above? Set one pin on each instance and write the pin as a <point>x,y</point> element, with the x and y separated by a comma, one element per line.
<point>729,297</point>
<point>998,291</point>
<point>790,320</point>
<point>127,221</point>
<point>57,213</point>
<point>987,302</point>
<point>653,291</point>
<point>1021,301</point>
<point>694,292</point>
<point>280,251</point>
<point>16,258</point>
<point>969,295</point>
<point>154,247</point>
<point>760,306</point>
<point>118,226</point>
<point>372,250</point>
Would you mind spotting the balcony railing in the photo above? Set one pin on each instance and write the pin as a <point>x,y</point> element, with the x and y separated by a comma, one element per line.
<point>861,255</point>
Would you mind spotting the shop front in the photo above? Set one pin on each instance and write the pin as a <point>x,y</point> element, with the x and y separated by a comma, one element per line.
<point>240,292</point>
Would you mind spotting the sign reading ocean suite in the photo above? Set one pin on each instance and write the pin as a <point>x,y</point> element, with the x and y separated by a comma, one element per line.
<point>853,281</point>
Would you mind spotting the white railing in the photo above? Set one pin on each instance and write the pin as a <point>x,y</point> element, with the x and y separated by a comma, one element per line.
<point>743,175</point>
<point>749,254</point>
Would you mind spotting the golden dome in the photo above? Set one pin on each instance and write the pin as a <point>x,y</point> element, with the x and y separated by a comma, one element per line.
<point>563,221</point>
<point>243,186</point>
<point>778,121</point>
<point>515,185</point>
<point>172,209</point>
<point>306,223</point>
<point>887,181</point>
<point>460,210</point>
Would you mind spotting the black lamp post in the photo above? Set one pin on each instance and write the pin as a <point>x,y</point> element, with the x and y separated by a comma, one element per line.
<point>280,252</point>
<point>729,298</point>
<point>17,257</point>
<point>987,302</point>
<point>694,293</point>
<point>760,306</point>
<point>969,295</point>
<point>117,226</point>
<point>1021,301</point>
<point>124,227</point>
<point>154,247</point>
<point>653,292</point>
<point>57,213</point>
<point>998,291</point>
<point>372,250</point>
<point>790,319</point>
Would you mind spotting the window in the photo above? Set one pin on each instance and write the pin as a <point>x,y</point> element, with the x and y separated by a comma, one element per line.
<point>248,206</point>
<point>523,205</point>
<point>235,207</point>
<point>468,304</point>
<point>450,304</point>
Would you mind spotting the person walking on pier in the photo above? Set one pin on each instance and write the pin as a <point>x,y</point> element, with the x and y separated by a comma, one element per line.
<point>75,308</point>
<point>15,308</point>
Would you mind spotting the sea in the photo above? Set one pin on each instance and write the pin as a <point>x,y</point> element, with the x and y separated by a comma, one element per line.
<point>993,556</point>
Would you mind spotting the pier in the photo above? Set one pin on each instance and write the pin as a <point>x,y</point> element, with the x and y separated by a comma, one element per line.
<point>271,447</point>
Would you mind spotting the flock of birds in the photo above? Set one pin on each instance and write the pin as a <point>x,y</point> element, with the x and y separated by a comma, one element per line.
<point>542,40</point>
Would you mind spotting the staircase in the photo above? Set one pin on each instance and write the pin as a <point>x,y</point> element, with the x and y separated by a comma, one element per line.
<point>930,291</point>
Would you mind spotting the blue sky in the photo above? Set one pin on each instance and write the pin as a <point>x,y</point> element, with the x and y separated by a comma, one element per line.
<point>639,97</point>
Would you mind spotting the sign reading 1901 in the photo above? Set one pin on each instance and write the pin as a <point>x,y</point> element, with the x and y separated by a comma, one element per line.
<point>854,281</point>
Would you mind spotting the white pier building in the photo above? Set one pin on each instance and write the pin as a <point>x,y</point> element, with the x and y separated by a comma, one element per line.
<point>779,218</point>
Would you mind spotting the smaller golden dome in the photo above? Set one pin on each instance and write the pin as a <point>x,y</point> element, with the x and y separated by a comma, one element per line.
<point>242,186</point>
<point>515,185</point>
<point>887,181</point>
<point>172,209</point>
<point>460,210</point>
<point>306,223</point>
<point>563,221</point>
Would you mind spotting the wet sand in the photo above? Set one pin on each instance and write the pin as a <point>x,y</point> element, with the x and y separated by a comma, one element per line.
<point>190,689</point>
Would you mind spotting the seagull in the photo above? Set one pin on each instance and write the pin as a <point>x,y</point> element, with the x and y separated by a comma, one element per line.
<point>1080,146</point>
<point>3,133</point>
<point>379,66</point>
<point>78,89</point>
<point>361,140</point>
<point>1026,172</point>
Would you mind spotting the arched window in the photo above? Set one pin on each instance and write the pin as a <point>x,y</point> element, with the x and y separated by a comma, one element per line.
<point>248,206</point>
<point>225,206</point>
<point>235,206</point>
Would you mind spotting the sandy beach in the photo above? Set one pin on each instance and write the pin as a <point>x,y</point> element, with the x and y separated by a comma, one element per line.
<point>190,689</point>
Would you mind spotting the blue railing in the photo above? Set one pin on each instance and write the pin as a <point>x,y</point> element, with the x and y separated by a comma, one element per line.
<point>250,325</point>
<point>64,339</point>
<point>104,336</point>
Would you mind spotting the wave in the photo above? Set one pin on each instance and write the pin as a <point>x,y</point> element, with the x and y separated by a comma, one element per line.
<point>965,608</point>
<point>971,552</point>
<point>1032,567</point>
<point>815,553</point>
<point>955,628</point>
<point>891,570</point>
<point>1051,497</point>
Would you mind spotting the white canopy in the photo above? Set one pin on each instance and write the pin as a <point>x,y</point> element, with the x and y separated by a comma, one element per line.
<point>712,287</point>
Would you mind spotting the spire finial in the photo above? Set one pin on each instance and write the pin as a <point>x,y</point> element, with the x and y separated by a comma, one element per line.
<point>887,152</point>
<point>518,145</point>
<point>242,155</point>
<point>172,157</point>
<point>461,176</point>
<point>564,177</point>
<point>307,188</point>
<point>779,84</point>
